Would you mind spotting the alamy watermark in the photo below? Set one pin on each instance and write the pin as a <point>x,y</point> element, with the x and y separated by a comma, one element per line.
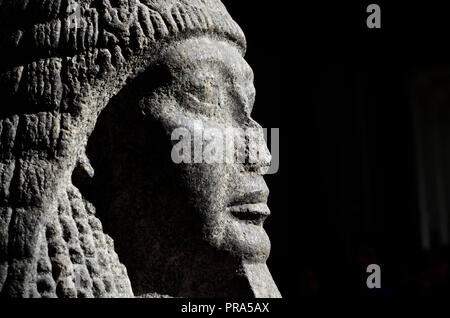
<point>200,144</point>
<point>74,11</point>
<point>374,19</point>
<point>374,279</point>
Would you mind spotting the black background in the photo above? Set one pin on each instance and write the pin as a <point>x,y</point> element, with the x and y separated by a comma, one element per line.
<point>313,64</point>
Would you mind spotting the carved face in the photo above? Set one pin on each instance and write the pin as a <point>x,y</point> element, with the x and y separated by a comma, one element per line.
<point>75,94</point>
<point>211,87</point>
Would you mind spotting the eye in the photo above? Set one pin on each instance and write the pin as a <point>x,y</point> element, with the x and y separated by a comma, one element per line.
<point>199,106</point>
<point>205,88</point>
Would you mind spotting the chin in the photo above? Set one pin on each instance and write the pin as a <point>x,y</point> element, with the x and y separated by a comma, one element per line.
<point>253,243</point>
<point>247,242</point>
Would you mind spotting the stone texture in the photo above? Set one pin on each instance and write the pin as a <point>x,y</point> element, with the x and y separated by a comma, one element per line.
<point>85,120</point>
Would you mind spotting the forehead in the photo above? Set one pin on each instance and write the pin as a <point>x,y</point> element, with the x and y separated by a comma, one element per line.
<point>205,53</point>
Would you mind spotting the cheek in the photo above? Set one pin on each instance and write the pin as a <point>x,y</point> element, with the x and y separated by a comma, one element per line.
<point>209,185</point>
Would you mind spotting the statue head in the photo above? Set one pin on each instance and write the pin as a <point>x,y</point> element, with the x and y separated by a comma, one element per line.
<point>97,105</point>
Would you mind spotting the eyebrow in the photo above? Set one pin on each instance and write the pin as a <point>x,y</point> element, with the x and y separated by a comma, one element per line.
<point>225,67</point>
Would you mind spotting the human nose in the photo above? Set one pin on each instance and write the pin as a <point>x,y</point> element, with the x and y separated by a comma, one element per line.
<point>259,158</point>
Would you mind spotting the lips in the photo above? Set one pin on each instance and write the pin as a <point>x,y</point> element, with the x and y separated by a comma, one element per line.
<point>251,207</point>
<point>255,213</point>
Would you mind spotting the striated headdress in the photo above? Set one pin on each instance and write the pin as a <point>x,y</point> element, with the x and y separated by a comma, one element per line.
<point>62,61</point>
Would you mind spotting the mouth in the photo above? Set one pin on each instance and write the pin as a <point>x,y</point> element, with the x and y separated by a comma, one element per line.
<point>251,207</point>
<point>253,213</point>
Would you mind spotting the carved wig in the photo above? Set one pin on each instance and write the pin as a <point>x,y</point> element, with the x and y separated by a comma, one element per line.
<point>56,76</point>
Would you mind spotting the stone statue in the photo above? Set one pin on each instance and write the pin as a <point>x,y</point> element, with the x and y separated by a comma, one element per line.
<point>91,93</point>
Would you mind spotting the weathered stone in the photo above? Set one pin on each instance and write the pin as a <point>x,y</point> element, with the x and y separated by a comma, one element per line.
<point>88,107</point>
